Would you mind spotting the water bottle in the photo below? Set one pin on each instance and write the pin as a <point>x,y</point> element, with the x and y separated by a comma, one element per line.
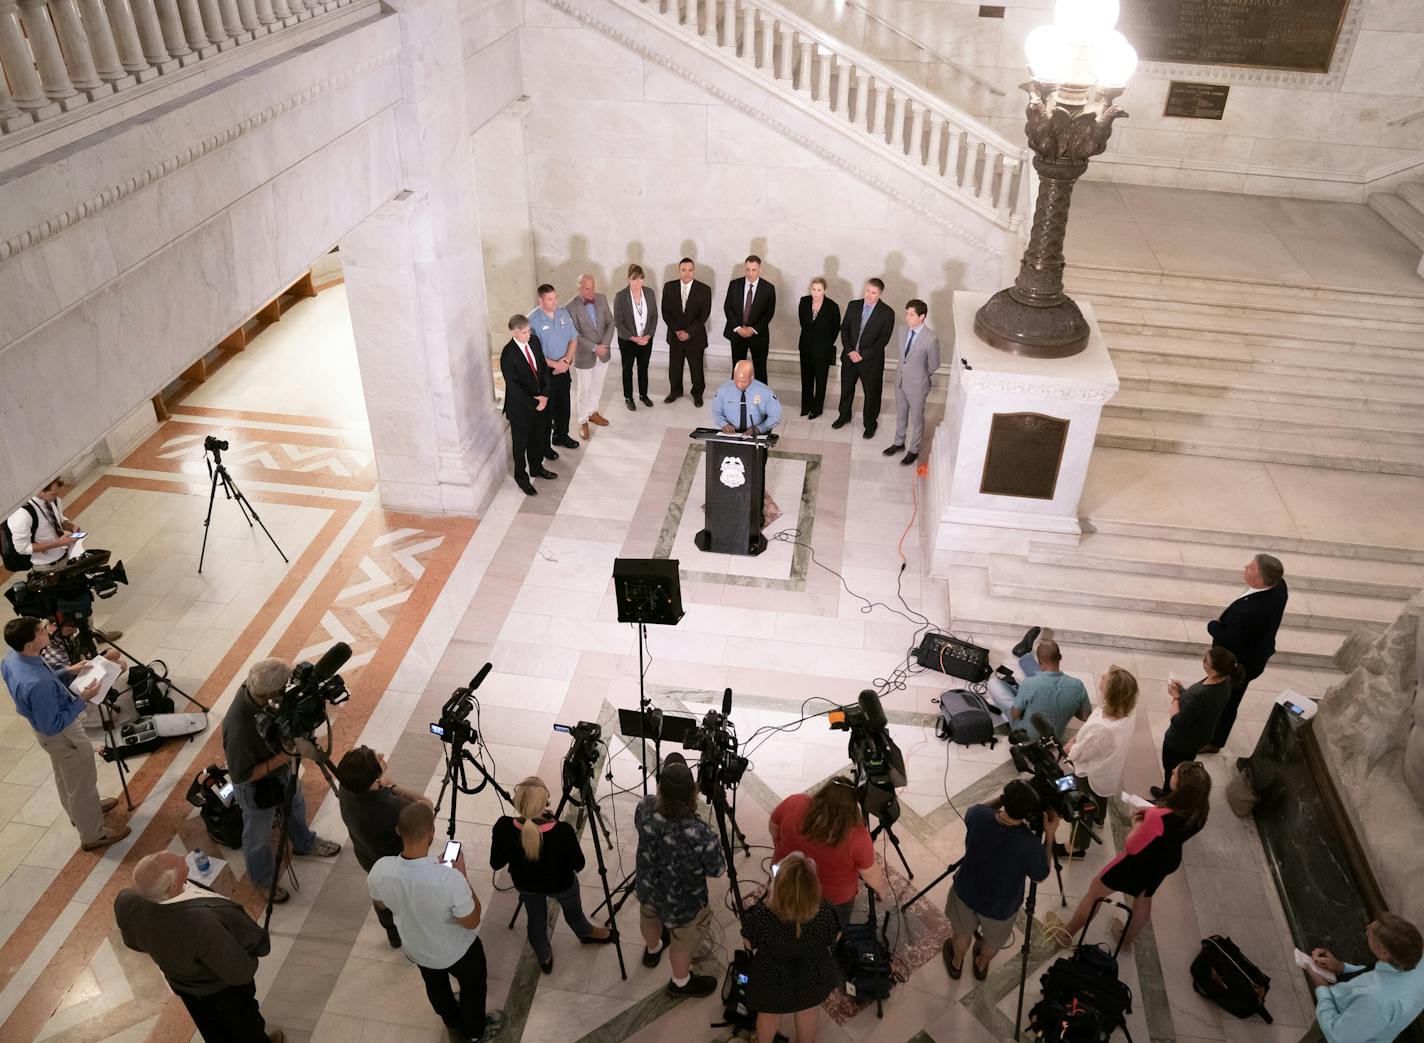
<point>201,860</point>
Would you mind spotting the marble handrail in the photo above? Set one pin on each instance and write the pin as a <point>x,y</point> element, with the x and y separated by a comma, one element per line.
<point>968,158</point>
<point>57,55</point>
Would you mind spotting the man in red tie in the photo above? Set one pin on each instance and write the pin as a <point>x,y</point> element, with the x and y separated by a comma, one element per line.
<point>749,307</point>
<point>526,399</point>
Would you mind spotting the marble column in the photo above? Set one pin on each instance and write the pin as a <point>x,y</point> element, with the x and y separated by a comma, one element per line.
<point>415,282</point>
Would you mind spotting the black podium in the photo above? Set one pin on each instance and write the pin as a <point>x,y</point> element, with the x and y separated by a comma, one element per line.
<point>736,491</point>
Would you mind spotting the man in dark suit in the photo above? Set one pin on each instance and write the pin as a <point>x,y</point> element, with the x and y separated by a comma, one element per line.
<point>687,305</point>
<point>865,330</point>
<point>750,304</point>
<point>1247,629</point>
<point>206,946</point>
<point>527,382</point>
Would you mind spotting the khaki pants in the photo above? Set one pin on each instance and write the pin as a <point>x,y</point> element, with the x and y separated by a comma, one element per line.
<point>588,386</point>
<point>76,778</point>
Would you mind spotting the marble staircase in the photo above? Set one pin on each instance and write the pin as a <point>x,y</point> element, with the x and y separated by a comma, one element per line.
<point>1404,209</point>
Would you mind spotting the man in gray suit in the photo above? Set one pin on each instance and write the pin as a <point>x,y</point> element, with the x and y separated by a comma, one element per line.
<point>918,359</point>
<point>593,320</point>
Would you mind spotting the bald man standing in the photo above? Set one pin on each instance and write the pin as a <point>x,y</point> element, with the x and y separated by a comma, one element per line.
<point>206,946</point>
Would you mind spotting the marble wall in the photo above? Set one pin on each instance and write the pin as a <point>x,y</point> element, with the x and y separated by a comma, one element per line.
<point>1322,136</point>
<point>613,157</point>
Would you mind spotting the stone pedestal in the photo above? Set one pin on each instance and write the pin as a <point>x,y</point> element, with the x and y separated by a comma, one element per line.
<point>1011,456</point>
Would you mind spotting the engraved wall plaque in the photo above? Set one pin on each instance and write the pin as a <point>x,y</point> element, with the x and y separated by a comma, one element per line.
<point>1025,451</point>
<point>1198,101</point>
<point>1298,35</point>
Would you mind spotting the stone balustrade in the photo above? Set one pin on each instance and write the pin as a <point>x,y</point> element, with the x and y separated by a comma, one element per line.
<point>57,55</point>
<point>970,160</point>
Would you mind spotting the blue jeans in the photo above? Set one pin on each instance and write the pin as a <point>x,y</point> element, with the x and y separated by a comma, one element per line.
<point>1028,665</point>
<point>257,829</point>
<point>536,907</point>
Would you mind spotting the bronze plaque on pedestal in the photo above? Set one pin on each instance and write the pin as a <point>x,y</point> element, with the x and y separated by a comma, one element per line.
<point>1198,101</point>
<point>1298,35</point>
<point>1024,452</point>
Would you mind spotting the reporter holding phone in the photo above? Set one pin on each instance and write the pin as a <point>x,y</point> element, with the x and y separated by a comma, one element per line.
<point>438,915</point>
<point>544,859</point>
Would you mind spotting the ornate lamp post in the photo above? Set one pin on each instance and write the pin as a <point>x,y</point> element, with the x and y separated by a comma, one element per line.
<point>1080,64</point>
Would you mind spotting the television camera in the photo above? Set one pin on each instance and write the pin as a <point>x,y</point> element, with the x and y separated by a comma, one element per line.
<point>879,764</point>
<point>67,594</point>
<point>582,758</point>
<point>715,739</point>
<point>1062,791</point>
<point>300,709</point>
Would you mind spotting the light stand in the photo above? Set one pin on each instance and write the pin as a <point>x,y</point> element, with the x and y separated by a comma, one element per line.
<point>218,474</point>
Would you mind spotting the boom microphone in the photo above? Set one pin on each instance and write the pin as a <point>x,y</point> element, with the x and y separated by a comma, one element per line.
<point>870,706</point>
<point>331,661</point>
<point>479,678</point>
<point>727,703</point>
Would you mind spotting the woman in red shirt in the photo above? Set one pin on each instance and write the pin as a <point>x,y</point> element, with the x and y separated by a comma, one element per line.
<point>829,829</point>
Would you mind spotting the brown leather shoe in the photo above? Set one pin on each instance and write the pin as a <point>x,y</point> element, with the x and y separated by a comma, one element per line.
<point>597,418</point>
<point>583,432</point>
<point>108,803</point>
<point>107,839</point>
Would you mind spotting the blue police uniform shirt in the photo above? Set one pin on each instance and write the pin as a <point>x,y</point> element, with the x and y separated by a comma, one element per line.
<point>763,408</point>
<point>41,697</point>
<point>555,334</point>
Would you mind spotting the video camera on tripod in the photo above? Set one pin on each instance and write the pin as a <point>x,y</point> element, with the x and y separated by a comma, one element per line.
<point>579,762</point>
<point>880,765</point>
<point>716,742</point>
<point>1059,790</point>
<point>67,594</point>
<point>300,709</point>
<point>454,725</point>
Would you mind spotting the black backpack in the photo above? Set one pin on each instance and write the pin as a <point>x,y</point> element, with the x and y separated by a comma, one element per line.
<point>1053,1021</point>
<point>965,719</point>
<point>211,792</point>
<point>1226,977</point>
<point>865,962</point>
<point>736,1011</point>
<point>12,559</point>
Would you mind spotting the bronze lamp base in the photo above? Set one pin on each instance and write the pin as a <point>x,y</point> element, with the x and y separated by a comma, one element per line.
<point>1052,331</point>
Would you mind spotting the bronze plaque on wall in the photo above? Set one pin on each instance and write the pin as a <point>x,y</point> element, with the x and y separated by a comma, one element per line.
<point>1198,101</point>
<point>1298,35</point>
<point>1024,452</point>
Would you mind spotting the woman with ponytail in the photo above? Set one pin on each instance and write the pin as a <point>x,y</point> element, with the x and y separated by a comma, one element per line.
<point>1195,711</point>
<point>791,934</point>
<point>544,857</point>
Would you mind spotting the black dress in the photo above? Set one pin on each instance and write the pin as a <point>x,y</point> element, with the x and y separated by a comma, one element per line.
<point>790,973</point>
<point>1141,871</point>
<point>817,350</point>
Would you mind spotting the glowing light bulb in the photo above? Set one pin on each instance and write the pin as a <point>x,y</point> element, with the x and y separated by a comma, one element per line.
<point>1114,60</point>
<point>1047,53</point>
<point>1085,20</point>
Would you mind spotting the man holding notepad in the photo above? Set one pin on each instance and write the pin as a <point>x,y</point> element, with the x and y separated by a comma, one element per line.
<point>43,698</point>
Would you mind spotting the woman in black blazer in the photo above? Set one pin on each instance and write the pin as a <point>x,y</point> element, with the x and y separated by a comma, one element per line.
<point>820,326</point>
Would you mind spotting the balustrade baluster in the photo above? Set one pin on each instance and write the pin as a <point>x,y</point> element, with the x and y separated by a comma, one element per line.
<point>17,62</point>
<point>298,8</point>
<point>34,17</point>
<point>231,18</point>
<point>917,134</point>
<point>806,70</point>
<point>150,31</point>
<point>1006,181</point>
<point>951,163</point>
<point>877,114</point>
<point>986,172</point>
<point>897,125</point>
<point>823,74</point>
<point>126,40</point>
<point>785,39</point>
<point>857,91</point>
<point>936,144</point>
<point>213,26</point>
<point>8,109</point>
<point>74,44</point>
<point>748,50</point>
<point>171,23</point>
<point>280,10</point>
<point>102,50</point>
<point>842,84</point>
<point>767,61</point>
<point>247,11</point>
<point>192,21</point>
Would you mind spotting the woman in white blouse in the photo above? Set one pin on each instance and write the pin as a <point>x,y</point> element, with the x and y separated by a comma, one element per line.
<point>1099,750</point>
<point>635,314</point>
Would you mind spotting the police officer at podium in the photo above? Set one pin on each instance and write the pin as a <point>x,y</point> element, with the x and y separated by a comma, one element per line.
<point>744,404</point>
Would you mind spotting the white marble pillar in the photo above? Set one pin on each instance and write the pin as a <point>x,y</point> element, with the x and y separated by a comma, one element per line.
<point>415,282</point>
<point>965,519</point>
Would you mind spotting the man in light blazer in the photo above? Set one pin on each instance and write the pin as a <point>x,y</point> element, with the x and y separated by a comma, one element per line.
<point>865,331</point>
<point>749,307</point>
<point>687,305</point>
<point>919,358</point>
<point>593,321</point>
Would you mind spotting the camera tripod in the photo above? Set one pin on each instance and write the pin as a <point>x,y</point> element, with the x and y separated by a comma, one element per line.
<point>218,474</point>
<point>455,761</point>
<point>588,806</point>
<point>284,816</point>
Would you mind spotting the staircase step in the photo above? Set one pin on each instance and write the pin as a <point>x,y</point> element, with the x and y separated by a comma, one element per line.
<point>1176,595</point>
<point>1235,288</point>
<point>1405,219</point>
<point>1152,406</point>
<point>1222,564</point>
<point>974,609</point>
<point>1276,544</point>
<point>1194,439</point>
<point>1339,365</point>
<point>1412,192</point>
<point>1213,325</point>
<point>1238,384</point>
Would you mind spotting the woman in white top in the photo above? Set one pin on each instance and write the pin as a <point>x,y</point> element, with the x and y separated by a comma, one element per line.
<point>635,314</point>
<point>1099,750</point>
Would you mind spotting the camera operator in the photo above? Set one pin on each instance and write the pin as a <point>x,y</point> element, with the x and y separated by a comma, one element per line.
<point>1370,1006</point>
<point>206,946</point>
<point>261,776</point>
<point>544,859</point>
<point>370,811</point>
<point>1099,751</point>
<point>42,697</point>
<point>792,934</point>
<point>1151,853</point>
<point>39,531</point>
<point>1001,852</point>
<point>830,829</point>
<point>677,852</point>
<point>438,914</point>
